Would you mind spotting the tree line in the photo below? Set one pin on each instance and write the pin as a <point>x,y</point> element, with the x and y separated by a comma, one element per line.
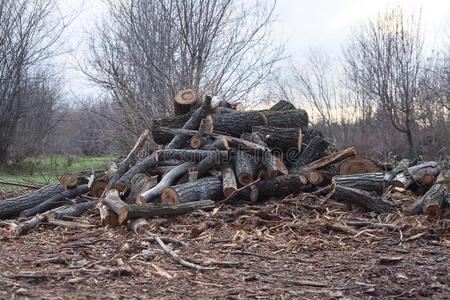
<point>382,93</point>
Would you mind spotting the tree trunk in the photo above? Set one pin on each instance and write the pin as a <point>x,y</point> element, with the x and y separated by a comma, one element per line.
<point>55,201</point>
<point>245,167</point>
<point>358,165</point>
<point>280,138</point>
<point>14,206</point>
<point>150,210</point>
<point>202,189</point>
<point>313,151</point>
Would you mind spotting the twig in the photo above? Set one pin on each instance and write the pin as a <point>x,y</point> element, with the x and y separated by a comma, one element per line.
<point>178,259</point>
<point>21,184</point>
<point>165,239</point>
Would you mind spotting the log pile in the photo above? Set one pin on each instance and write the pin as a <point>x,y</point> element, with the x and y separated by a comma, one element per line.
<point>210,155</point>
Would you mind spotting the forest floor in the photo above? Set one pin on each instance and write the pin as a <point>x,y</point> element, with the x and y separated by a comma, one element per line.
<point>296,248</point>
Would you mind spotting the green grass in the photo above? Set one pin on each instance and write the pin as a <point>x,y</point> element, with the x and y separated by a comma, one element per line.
<point>47,169</point>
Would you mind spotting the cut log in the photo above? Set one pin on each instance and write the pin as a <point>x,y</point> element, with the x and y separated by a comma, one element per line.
<point>179,141</point>
<point>281,138</point>
<point>108,217</point>
<point>129,160</point>
<point>68,181</point>
<point>313,151</point>
<point>98,186</point>
<point>72,211</point>
<point>245,167</point>
<point>358,165</point>
<point>282,105</point>
<point>216,158</point>
<point>218,144</point>
<point>163,138</point>
<point>205,188</point>
<point>28,225</point>
<point>416,174</point>
<point>14,206</point>
<point>150,210</point>
<point>229,180</point>
<point>166,181</point>
<point>55,201</point>
<point>370,182</point>
<point>184,101</point>
<point>433,202</point>
<point>269,162</point>
<point>114,203</point>
<point>139,185</point>
<point>199,140</point>
<point>332,158</point>
<point>362,198</point>
<point>444,176</point>
<point>138,226</point>
<point>238,123</point>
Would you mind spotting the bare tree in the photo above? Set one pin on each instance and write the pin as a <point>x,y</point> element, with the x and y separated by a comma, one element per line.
<point>383,62</point>
<point>143,52</point>
<point>28,33</point>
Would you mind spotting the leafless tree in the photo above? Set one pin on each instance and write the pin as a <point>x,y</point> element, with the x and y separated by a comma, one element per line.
<point>143,52</point>
<point>28,33</point>
<point>383,61</point>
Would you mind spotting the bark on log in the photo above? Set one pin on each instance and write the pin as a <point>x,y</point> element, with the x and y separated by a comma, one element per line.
<point>238,123</point>
<point>362,198</point>
<point>416,174</point>
<point>140,184</point>
<point>370,182</point>
<point>444,176</point>
<point>150,210</point>
<point>98,186</point>
<point>268,161</point>
<point>245,167</point>
<point>332,158</point>
<point>358,165</point>
<point>166,181</point>
<point>281,138</point>
<point>312,152</point>
<point>401,167</point>
<point>114,203</point>
<point>163,138</point>
<point>224,110</point>
<point>179,141</point>
<point>216,158</point>
<point>229,180</point>
<point>72,211</point>
<point>55,201</point>
<point>205,188</point>
<point>433,202</point>
<point>184,101</point>
<point>218,144</point>
<point>107,217</point>
<point>282,105</point>
<point>28,225</point>
<point>14,206</point>
<point>199,140</point>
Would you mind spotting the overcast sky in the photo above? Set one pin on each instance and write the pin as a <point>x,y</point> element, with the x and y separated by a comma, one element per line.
<point>303,24</point>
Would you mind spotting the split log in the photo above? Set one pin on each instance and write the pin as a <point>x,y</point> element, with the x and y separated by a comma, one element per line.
<point>370,182</point>
<point>163,138</point>
<point>166,181</point>
<point>313,151</point>
<point>281,138</point>
<point>245,167</point>
<point>72,211</point>
<point>184,101</point>
<point>358,165</point>
<point>205,188</point>
<point>150,210</point>
<point>114,203</point>
<point>238,123</point>
<point>108,217</point>
<point>362,198</point>
<point>229,180</point>
<point>138,226</point>
<point>199,140</point>
<point>332,158</point>
<point>179,141</point>
<point>14,206</point>
<point>282,105</point>
<point>417,174</point>
<point>55,201</point>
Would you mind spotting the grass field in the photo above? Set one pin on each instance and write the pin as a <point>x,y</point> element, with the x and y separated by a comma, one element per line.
<point>45,170</point>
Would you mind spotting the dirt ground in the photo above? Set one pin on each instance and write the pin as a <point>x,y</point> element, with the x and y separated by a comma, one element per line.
<point>297,248</point>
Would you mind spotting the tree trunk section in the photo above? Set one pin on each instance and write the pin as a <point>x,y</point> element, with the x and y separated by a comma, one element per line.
<point>282,105</point>
<point>229,180</point>
<point>361,198</point>
<point>370,182</point>
<point>280,138</point>
<point>114,203</point>
<point>150,210</point>
<point>433,202</point>
<point>358,165</point>
<point>184,101</point>
<point>72,211</point>
<point>202,189</point>
<point>245,167</point>
<point>416,174</point>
